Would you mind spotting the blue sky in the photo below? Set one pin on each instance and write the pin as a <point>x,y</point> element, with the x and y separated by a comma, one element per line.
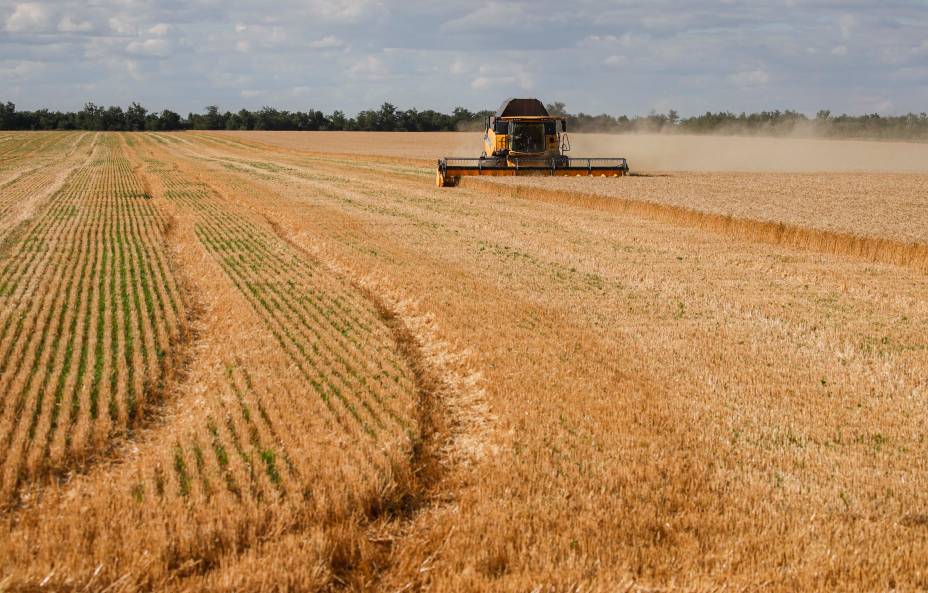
<point>615,57</point>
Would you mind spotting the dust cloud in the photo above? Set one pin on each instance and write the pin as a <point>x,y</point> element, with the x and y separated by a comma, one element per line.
<point>666,152</point>
<point>645,152</point>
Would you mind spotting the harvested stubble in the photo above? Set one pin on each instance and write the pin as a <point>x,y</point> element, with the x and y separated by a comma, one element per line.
<point>659,405</point>
<point>32,169</point>
<point>890,206</point>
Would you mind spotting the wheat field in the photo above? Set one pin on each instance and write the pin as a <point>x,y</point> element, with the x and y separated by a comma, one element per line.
<point>254,362</point>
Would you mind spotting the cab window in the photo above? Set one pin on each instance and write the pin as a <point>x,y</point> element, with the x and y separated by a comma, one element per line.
<point>501,127</point>
<point>528,137</point>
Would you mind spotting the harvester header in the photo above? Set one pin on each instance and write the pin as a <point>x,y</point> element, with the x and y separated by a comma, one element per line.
<point>522,138</point>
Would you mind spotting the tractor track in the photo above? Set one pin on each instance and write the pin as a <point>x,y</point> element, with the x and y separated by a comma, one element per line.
<point>447,438</point>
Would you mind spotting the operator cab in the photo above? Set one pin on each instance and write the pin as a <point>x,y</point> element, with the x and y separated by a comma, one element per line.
<point>523,128</point>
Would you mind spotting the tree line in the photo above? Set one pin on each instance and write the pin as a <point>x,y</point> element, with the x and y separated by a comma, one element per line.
<point>765,123</point>
<point>137,118</point>
<point>389,118</point>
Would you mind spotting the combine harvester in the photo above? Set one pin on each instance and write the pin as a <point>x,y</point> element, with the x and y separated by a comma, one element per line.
<point>524,139</point>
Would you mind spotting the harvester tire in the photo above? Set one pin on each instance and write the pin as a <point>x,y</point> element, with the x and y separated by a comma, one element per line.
<point>442,180</point>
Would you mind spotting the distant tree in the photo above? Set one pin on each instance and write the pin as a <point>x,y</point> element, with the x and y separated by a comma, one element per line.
<point>136,117</point>
<point>213,119</point>
<point>557,108</point>
<point>169,120</point>
<point>366,120</point>
<point>386,119</point>
<point>113,119</point>
<point>269,118</point>
<point>233,122</point>
<point>7,116</point>
<point>246,119</point>
<point>152,123</point>
<point>654,122</point>
<point>338,121</point>
<point>673,118</point>
<point>90,117</point>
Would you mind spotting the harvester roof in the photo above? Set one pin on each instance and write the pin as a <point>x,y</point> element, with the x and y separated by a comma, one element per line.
<point>522,108</point>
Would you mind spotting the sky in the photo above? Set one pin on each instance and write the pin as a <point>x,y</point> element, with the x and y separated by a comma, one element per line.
<point>614,57</point>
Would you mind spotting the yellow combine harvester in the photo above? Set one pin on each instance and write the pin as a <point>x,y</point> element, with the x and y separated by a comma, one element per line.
<point>524,139</point>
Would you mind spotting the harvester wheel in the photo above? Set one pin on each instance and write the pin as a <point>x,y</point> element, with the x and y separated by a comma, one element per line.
<point>442,180</point>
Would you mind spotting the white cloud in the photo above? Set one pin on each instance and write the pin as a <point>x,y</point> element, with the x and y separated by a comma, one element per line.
<point>277,36</point>
<point>846,24</point>
<point>134,70</point>
<point>149,47</point>
<point>346,11</point>
<point>16,70</point>
<point>749,78</point>
<point>69,25</point>
<point>327,42</point>
<point>615,61</point>
<point>627,40</point>
<point>161,29</point>
<point>480,83</point>
<point>369,68</point>
<point>508,76</point>
<point>840,50</point>
<point>122,25</point>
<point>669,21</point>
<point>917,74</point>
<point>30,17</point>
<point>492,15</point>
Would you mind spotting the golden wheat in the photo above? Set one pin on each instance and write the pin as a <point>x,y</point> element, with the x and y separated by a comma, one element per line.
<point>659,383</point>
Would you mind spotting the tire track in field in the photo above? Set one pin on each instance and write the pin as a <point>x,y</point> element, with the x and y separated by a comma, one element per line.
<point>259,279</point>
<point>469,437</point>
<point>460,393</point>
<point>440,442</point>
<point>451,411</point>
